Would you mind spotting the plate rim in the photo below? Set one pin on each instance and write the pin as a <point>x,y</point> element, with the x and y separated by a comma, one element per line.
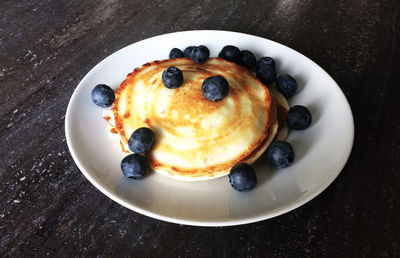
<point>192,222</point>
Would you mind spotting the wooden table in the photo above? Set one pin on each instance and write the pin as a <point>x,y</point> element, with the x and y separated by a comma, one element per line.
<point>48,208</point>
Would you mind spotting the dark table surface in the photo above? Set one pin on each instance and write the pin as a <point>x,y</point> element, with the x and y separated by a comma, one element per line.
<point>48,208</point>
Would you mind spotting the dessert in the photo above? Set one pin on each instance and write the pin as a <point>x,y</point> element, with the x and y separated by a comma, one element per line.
<point>195,118</point>
<point>196,138</point>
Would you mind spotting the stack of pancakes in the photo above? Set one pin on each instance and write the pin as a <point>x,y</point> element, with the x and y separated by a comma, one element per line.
<point>196,138</point>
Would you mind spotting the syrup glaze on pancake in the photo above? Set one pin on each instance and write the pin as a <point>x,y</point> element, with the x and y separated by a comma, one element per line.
<point>195,138</point>
<point>282,108</point>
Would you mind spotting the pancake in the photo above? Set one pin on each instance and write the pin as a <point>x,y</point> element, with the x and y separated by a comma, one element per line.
<point>282,109</point>
<point>198,139</point>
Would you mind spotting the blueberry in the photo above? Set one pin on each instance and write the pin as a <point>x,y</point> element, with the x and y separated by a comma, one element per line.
<point>299,117</point>
<point>247,59</point>
<point>175,53</point>
<point>280,154</point>
<point>230,53</point>
<point>172,77</point>
<point>134,166</point>
<point>103,96</point>
<point>287,85</point>
<point>200,54</point>
<point>141,140</point>
<point>265,61</point>
<point>188,51</point>
<point>266,74</point>
<point>242,177</point>
<point>215,88</point>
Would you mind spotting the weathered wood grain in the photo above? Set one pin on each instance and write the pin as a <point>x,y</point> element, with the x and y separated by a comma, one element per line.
<point>48,208</point>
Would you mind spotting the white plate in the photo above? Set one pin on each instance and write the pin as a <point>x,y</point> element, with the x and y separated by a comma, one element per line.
<point>321,150</point>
